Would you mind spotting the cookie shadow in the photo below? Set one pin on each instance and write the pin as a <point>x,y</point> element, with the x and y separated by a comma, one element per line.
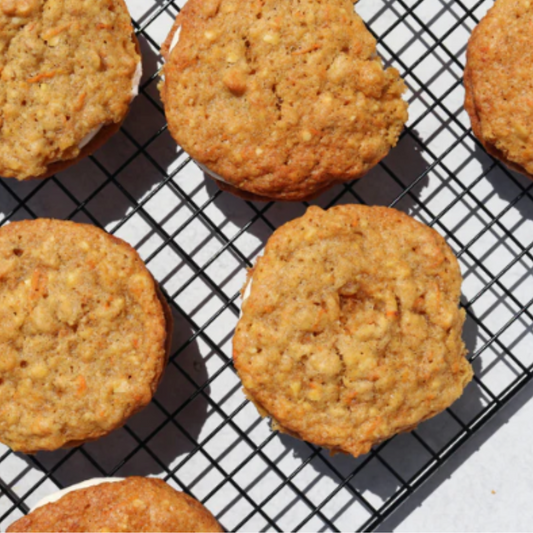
<point>397,181</point>
<point>467,450</point>
<point>507,184</point>
<point>400,179</point>
<point>107,187</point>
<point>375,478</point>
<point>152,440</point>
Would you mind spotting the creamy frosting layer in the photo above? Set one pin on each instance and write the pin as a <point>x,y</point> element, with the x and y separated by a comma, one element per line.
<point>210,172</point>
<point>89,137</point>
<point>175,40</point>
<point>247,292</point>
<point>79,486</point>
<point>136,82</point>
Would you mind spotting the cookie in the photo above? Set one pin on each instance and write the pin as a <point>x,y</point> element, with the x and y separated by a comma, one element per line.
<point>84,334</point>
<point>498,82</point>
<point>132,504</point>
<point>69,70</point>
<point>279,100</point>
<point>350,330</point>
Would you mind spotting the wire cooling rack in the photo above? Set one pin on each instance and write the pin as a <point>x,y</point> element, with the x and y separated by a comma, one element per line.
<point>200,434</point>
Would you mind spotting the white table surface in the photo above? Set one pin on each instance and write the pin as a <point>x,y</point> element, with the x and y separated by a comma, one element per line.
<point>486,486</point>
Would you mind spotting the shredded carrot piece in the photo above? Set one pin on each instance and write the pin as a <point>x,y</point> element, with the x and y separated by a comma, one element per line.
<point>350,397</point>
<point>373,426</point>
<point>82,385</point>
<point>55,31</point>
<point>102,26</point>
<point>39,282</point>
<point>42,76</point>
<point>81,101</point>
<point>311,48</point>
<point>321,312</point>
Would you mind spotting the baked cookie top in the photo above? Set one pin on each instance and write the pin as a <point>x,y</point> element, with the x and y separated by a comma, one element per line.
<point>68,67</point>
<point>278,98</point>
<point>499,82</point>
<point>351,330</point>
<point>135,504</point>
<point>83,334</point>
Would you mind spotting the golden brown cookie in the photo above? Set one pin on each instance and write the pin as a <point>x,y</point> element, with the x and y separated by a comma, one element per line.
<point>351,330</point>
<point>69,70</point>
<point>84,334</point>
<point>277,99</point>
<point>133,504</point>
<point>498,82</point>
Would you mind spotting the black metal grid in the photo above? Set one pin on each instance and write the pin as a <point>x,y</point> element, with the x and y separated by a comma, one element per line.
<point>200,434</point>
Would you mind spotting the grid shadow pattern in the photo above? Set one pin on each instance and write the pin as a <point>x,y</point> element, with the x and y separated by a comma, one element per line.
<point>200,434</point>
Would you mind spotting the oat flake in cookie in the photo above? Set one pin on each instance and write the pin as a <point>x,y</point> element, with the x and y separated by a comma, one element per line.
<point>277,98</point>
<point>69,71</point>
<point>132,504</point>
<point>84,334</point>
<point>498,81</point>
<point>351,331</point>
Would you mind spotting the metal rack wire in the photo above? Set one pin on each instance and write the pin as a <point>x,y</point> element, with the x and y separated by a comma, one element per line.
<point>200,434</point>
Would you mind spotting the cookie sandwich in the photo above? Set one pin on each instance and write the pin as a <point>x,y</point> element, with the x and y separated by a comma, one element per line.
<point>498,82</point>
<point>84,334</point>
<point>351,328</point>
<point>69,71</point>
<point>117,504</point>
<point>277,100</point>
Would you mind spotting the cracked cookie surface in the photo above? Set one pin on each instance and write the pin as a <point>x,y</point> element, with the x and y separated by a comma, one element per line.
<point>281,99</point>
<point>134,504</point>
<point>498,82</point>
<point>67,68</point>
<point>351,331</point>
<point>83,334</point>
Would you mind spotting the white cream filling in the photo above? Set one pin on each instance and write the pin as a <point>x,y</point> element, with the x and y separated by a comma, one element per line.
<point>211,173</point>
<point>175,40</point>
<point>83,485</point>
<point>137,75</point>
<point>89,137</point>
<point>136,82</point>
<point>246,294</point>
